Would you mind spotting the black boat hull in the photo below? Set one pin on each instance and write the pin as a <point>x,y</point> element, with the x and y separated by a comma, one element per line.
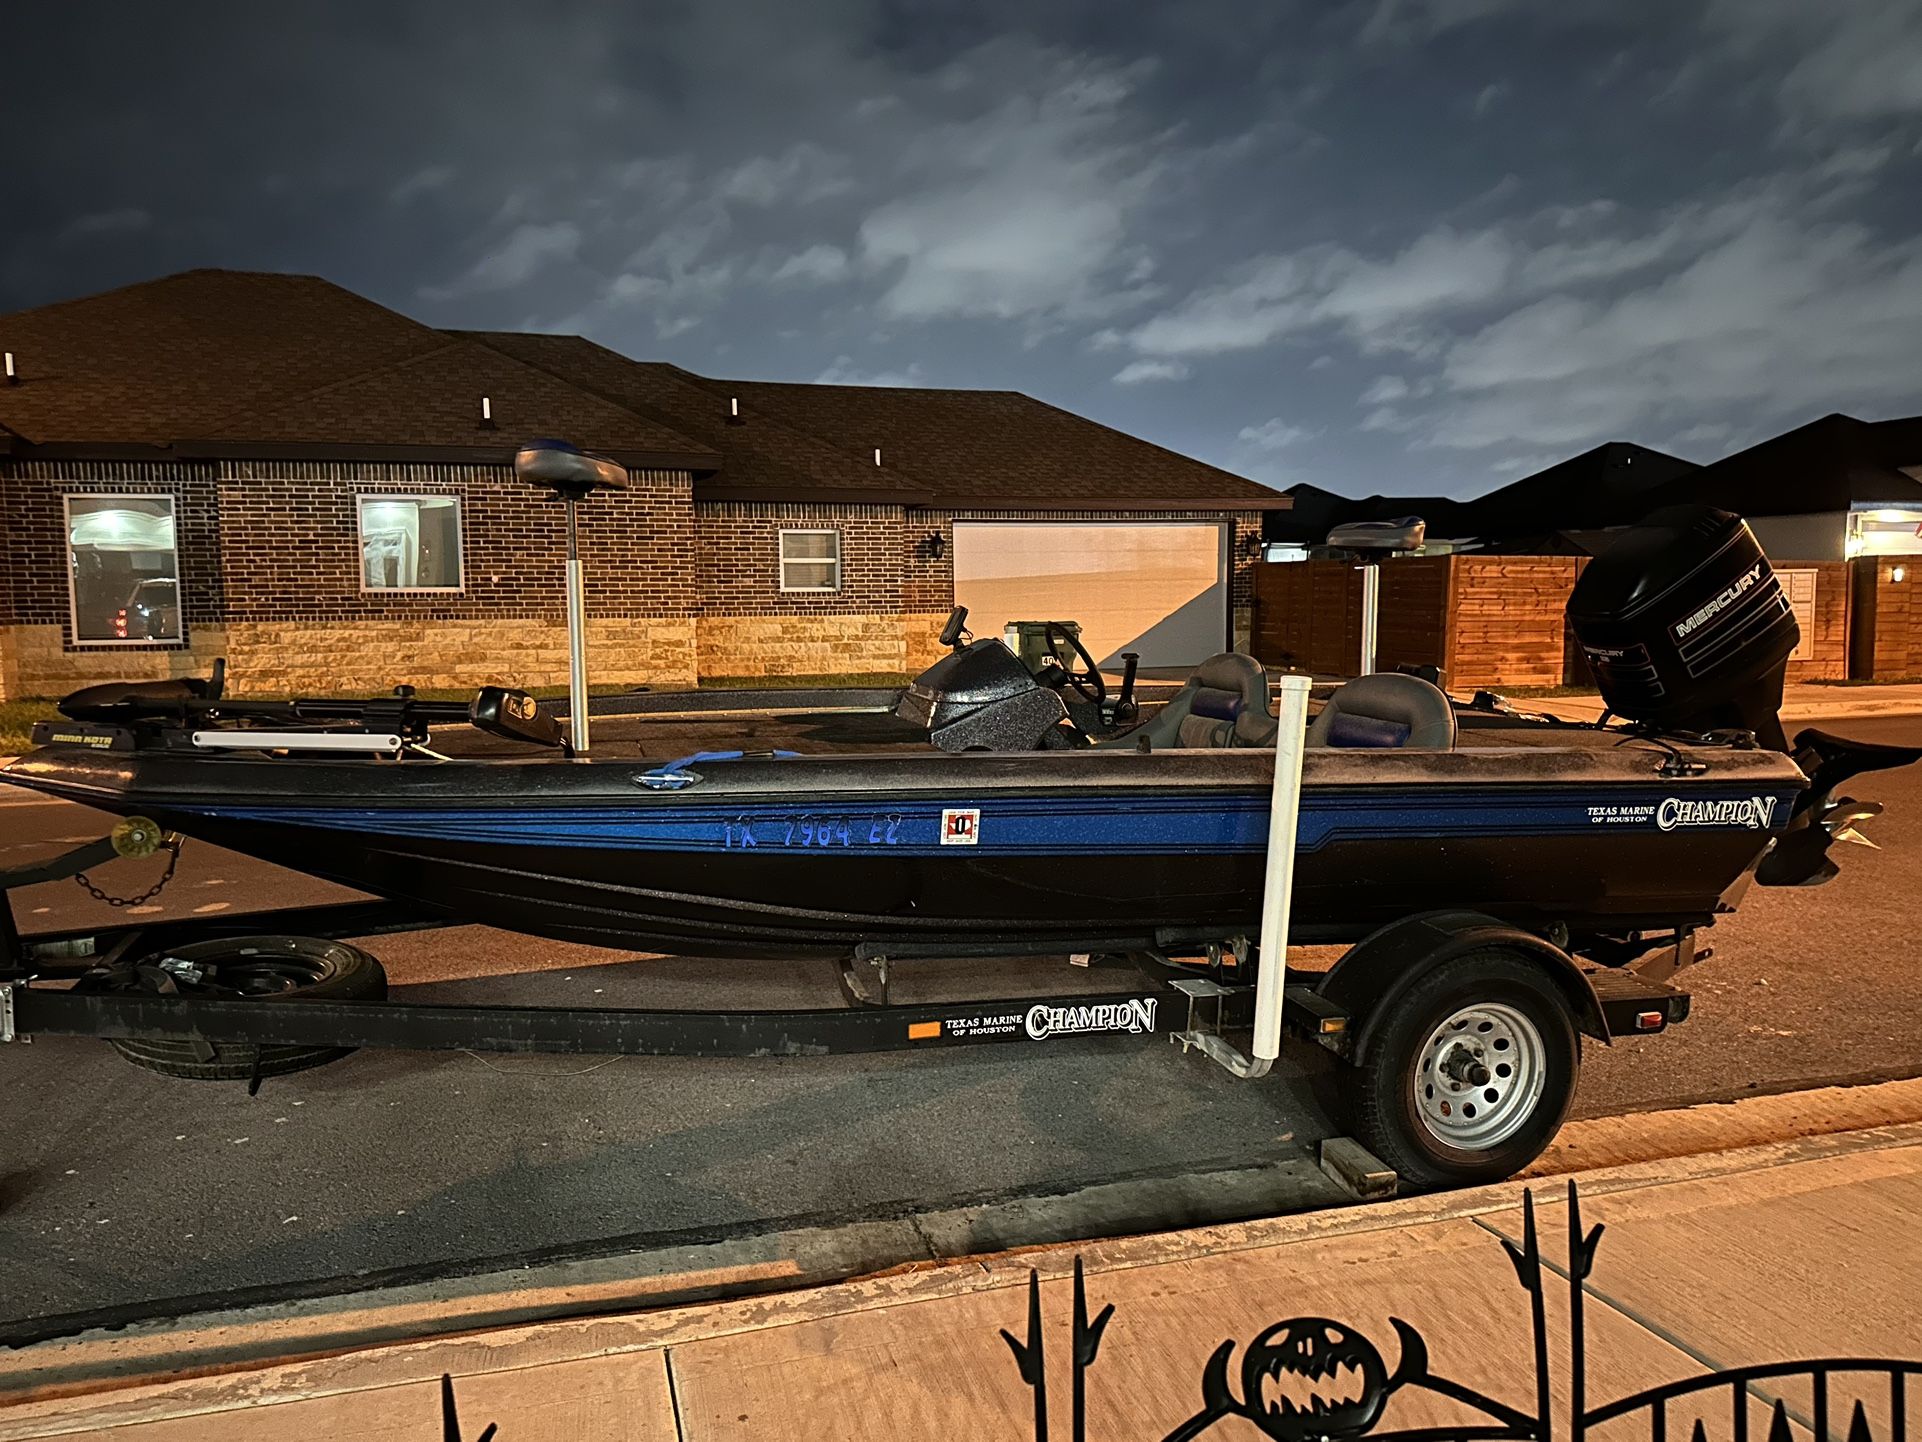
<point>1084,850</point>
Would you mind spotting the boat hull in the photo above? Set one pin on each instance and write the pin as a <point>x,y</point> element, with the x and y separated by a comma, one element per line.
<point>816,854</point>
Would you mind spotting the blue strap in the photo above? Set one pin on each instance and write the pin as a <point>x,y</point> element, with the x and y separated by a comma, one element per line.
<point>672,775</point>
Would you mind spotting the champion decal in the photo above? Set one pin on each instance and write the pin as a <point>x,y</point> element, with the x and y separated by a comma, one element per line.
<point>961,826</point>
<point>1751,812</point>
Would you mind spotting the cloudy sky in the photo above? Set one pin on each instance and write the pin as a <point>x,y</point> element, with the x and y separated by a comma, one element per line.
<point>1399,245</point>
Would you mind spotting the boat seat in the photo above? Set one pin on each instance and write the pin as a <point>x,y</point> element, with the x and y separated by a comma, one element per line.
<point>1223,703</point>
<point>1387,709</point>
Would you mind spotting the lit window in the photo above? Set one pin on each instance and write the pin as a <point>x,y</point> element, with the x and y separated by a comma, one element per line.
<point>410,543</point>
<point>810,560</point>
<point>123,571</point>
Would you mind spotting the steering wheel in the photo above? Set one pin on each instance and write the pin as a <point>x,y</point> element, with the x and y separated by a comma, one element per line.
<point>1087,680</point>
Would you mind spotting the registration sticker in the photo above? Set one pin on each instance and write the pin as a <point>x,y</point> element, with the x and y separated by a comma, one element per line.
<point>961,826</point>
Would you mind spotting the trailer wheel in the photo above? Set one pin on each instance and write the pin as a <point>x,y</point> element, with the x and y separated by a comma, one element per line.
<point>296,968</point>
<point>1470,1075</point>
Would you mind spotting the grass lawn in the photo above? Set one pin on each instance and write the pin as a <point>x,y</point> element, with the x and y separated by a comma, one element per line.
<point>782,683</point>
<point>16,722</point>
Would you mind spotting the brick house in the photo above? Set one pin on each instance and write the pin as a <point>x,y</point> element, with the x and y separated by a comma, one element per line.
<point>1836,503</point>
<point>275,470</point>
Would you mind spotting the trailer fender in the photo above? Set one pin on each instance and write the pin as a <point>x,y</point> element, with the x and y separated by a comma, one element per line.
<point>1374,972</point>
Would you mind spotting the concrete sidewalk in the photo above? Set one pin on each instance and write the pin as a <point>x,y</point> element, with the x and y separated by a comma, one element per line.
<point>1787,1251</point>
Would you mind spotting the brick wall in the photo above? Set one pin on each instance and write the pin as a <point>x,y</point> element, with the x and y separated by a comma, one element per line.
<point>34,520</point>
<point>270,577</point>
<point>290,542</point>
<point>894,593</point>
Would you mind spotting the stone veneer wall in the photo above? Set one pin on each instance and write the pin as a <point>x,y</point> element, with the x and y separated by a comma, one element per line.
<point>884,618</point>
<point>310,627</point>
<point>269,571</point>
<point>270,578</point>
<point>36,661</point>
<point>318,657</point>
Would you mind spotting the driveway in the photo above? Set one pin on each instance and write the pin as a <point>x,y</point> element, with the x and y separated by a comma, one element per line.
<point>120,1188</point>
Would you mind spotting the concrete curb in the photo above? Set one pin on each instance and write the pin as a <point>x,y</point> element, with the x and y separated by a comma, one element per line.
<point>780,1277</point>
<point>517,1350</point>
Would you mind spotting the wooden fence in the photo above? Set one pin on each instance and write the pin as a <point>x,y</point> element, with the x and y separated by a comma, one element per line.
<point>1887,631</point>
<point>1498,620</point>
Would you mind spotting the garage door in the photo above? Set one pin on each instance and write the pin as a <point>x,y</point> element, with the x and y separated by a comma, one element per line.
<point>1157,587</point>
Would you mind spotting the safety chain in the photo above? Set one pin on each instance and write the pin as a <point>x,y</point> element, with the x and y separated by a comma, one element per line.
<point>171,847</point>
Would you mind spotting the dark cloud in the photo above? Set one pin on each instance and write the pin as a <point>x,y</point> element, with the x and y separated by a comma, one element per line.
<point>1378,244</point>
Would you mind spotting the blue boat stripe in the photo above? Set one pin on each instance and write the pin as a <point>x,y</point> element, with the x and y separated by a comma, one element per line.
<point>1121,824</point>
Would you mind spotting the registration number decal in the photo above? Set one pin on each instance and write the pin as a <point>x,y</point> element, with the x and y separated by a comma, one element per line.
<point>746,833</point>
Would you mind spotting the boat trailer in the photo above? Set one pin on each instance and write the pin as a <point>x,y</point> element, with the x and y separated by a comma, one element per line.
<point>148,984</point>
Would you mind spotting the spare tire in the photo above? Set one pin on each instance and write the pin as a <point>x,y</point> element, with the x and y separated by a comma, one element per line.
<point>294,968</point>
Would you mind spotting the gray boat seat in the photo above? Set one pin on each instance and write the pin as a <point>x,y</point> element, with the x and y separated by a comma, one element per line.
<point>1386,709</point>
<point>1223,703</point>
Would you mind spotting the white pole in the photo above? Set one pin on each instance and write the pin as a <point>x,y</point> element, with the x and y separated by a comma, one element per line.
<point>1370,615</point>
<point>1277,896</point>
<point>576,637</point>
<point>1278,885</point>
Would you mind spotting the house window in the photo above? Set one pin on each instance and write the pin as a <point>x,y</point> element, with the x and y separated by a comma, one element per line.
<point>810,560</point>
<point>123,573</point>
<point>410,543</point>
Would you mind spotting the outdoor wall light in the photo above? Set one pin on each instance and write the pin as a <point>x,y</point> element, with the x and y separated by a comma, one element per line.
<point>1899,573</point>
<point>934,545</point>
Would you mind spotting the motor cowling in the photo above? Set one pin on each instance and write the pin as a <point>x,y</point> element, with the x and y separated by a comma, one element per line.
<point>1685,626</point>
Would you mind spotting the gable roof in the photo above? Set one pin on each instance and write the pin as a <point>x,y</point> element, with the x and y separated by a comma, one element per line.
<point>1000,449</point>
<point>239,363</point>
<point>431,402</point>
<point>148,363</point>
<point>1832,464</point>
<point>222,362</point>
<point>1609,485</point>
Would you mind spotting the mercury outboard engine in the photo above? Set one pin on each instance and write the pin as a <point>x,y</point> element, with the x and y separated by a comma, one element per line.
<point>1686,627</point>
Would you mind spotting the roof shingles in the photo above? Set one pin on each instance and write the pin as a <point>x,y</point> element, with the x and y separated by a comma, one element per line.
<point>234,362</point>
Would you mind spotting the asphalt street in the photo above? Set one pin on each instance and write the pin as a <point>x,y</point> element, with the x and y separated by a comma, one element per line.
<point>120,1187</point>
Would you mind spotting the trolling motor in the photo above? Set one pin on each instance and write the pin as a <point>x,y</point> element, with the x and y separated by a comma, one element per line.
<point>572,475</point>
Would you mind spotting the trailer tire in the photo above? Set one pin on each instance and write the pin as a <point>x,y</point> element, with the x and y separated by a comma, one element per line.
<point>1471,1074</point>
<point>290,968</point>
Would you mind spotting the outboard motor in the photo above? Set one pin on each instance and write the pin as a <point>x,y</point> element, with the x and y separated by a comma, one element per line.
<point>1686,627</point>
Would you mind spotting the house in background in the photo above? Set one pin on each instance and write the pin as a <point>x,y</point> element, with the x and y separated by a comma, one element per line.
<point>1837,504</point>
<point>1831,490</point>
<point>1607,486</point>
<point>275,470</point>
